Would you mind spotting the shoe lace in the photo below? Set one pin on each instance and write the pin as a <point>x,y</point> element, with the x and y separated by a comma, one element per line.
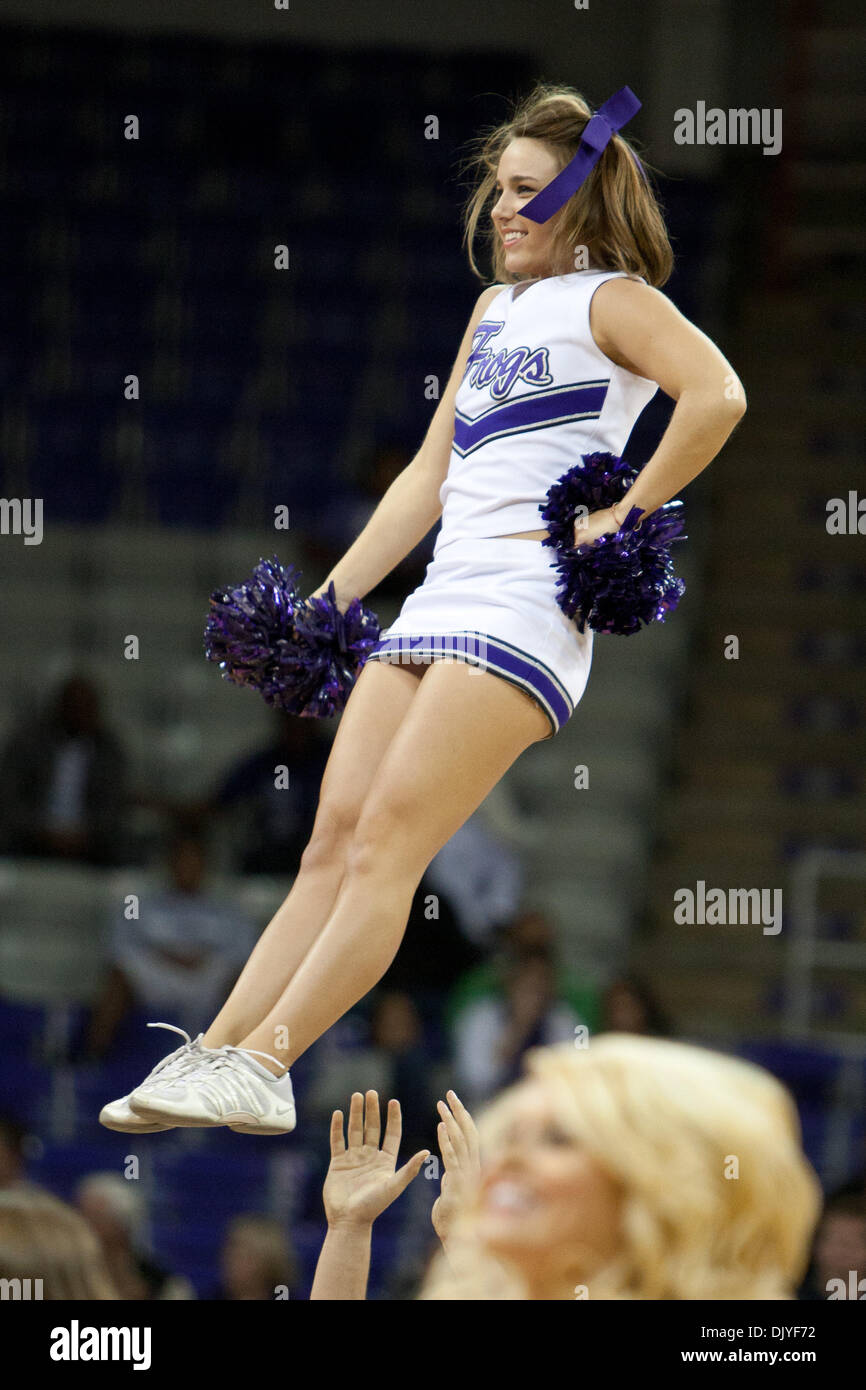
<point>232,1082</point>
<point>180,1059</point>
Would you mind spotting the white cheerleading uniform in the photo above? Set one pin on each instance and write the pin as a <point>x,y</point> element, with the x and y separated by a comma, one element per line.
<point>537,394</point>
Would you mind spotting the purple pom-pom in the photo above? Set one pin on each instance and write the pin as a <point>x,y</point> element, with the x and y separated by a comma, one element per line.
<point>619,582</point>
<point>303,655</point>
<point>316,669</point>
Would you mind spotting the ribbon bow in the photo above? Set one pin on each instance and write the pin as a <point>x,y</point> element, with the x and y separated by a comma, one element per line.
<point>608,119</point>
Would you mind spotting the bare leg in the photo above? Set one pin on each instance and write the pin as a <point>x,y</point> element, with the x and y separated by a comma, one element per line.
<point>375,709</point>
<point>463,730</point>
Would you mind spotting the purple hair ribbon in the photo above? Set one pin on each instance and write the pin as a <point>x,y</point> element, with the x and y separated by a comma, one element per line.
<point>608,119</point>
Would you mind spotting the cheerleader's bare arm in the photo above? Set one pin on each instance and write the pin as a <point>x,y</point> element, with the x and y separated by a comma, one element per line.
<point>640,329</point>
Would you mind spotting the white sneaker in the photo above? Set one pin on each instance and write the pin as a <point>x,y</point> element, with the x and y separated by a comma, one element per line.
<point>119,1115</point>
<point>228,1087</point>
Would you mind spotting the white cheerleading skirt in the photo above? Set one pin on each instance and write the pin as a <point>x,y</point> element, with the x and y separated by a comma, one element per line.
<point>492,603</point>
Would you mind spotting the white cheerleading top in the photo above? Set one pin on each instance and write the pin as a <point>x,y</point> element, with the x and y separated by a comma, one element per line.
<point>537,393</point>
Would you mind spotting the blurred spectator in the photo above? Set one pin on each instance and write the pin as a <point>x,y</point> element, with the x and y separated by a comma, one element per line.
<point>481,874</point>
<point>274,812</point>
<point>332,529</point>
<point>64,782</point>
<point>839,1251</point>
<point>629,1006</point>
<point>43,1238</point>
<point>388,1052</point>
<point>113,1209</point>
<point>528,932</point>
<point>433,953</point>
<point>181,957</point>
<point>12,1136</point>
<point>482,866</point>
<point>396,1032</point>
<point>256,1261</point>
<point>518,998</point>
<point>13,1156</point>
<point>492,1034</point>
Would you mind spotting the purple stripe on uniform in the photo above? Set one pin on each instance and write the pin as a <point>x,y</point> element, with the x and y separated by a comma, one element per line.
<point>499,657</point>
<point>534,412</point>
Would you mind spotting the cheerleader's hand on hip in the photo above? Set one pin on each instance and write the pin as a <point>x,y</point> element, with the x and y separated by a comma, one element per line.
<point>588,528</point>
<point>458,1145</point>
<point>363,1179</point>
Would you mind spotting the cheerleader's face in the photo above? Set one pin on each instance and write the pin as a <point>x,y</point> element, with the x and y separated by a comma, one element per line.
<point>545,1203</point>
<point>525,167</point>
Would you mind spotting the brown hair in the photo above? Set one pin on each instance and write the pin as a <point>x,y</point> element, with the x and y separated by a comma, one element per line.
<point>615,213</point>
<point>43,1238</point>
<point>266,1237</point>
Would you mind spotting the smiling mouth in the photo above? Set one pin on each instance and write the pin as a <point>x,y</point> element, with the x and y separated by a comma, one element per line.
<point>512,238</point>
<point>509,1198</point>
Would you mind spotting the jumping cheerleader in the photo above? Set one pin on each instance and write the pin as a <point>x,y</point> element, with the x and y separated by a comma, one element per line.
<point>560,356</point>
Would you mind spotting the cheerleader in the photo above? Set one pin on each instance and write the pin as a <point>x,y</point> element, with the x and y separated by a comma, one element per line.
<point>634,1168</point>
<point>560,356</point>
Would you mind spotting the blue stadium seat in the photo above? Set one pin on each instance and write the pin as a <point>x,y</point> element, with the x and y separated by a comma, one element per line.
<point>25,1093</point>
<point>21,1027</point>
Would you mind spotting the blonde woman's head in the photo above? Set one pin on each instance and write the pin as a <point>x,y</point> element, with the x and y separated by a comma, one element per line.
<point>636,1168</point>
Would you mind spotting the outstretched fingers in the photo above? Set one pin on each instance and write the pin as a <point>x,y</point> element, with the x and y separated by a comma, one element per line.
<point>372,1120</point>
<point>451,1140</point>
<point>446,1148</point>
<point>355,1128</point>
<point>393,1130</point>
<point>410,1170</point>
<point>466,1125</point>
<point>338,1143</point>
<point>460,1149</point>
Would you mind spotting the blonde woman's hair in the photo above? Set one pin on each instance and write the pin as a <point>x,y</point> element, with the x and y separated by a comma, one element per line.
<point>615,213</point>
<point>718,1200</point>
<point>43,1238</point>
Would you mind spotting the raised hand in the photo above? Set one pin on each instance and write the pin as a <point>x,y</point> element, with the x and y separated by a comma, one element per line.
<point>363,1179</point>
<point>458,1145</point>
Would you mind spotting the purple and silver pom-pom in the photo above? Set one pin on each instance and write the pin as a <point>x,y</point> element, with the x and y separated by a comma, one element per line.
<point>316,669</point>
<point>619,582</point>
<point>303,655</point>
